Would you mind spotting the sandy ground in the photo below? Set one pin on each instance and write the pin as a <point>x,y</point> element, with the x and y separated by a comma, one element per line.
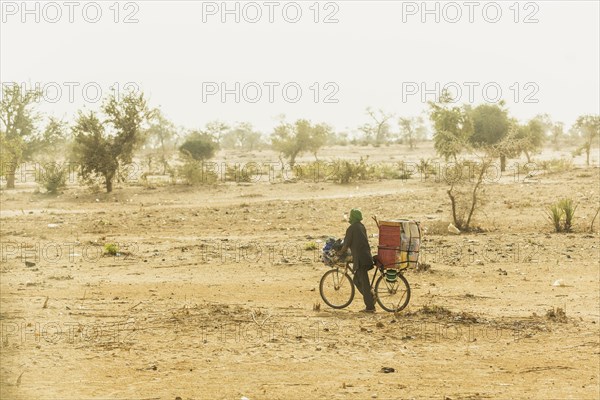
<point>213,293</point>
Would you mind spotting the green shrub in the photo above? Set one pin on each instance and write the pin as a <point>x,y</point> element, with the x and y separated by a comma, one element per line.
<point>404,172</point>
<point>342,171</point>
<point>195,172</point>
<point>317,171</point>
<point>345,171</point>
<point>562,214</point>
<point>311,246</point>
<point>555,214</point>
<point>569,212</point>
<point>237,173</point>
<point>53,178</point>
<point>556,165</point>
<point>197,148</point>
<point>426,168</point>
<point>387,171</point>
<point>111,248</point>
<point>200,146</point>
<point>397,170</point>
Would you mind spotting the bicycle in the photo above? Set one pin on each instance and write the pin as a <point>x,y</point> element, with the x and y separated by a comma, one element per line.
<point>391,291</point>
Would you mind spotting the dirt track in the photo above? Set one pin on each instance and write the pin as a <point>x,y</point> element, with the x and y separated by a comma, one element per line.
<point>213,295</point>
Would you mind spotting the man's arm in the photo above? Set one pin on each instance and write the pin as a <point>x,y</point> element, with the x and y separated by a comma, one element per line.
<point>347,242</point>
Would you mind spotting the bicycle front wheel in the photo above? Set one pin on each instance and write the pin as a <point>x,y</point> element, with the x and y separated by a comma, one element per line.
<point>392,296</point>
<point>336,288</point>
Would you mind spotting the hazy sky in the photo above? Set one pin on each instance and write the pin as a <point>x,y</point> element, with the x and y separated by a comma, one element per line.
<point>378,53</point>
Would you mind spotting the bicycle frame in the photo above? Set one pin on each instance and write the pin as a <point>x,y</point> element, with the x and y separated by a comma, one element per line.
<point>378,268</point>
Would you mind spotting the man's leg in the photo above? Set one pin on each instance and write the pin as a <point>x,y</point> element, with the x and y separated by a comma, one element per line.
<point>357,282</point>
<point>362,279</point>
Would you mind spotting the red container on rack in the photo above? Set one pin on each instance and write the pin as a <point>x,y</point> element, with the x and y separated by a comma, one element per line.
<point>388,256</point>
<point>389,234</point>
<point>399,243</point>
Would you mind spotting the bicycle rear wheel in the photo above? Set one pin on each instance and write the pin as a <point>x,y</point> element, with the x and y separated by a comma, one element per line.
<point>392,296</point>
<point>336,288</point>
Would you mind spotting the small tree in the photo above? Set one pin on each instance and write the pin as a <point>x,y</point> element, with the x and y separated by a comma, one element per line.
<point>291,140</point>
<point>49,148</point>
<point>199,146</point>
<point>52,140</point>
<point>588,127</point>
<point>485,128</point>
<point>530,138</point>
<point>491,125</point>
<point>337,138</point>
<point>557,132</point>
<point>464,191</point>
<point>92,149</point>
<point>452,126</point>
<point>56,134</point>
<point>378,130</point>
<point>318,138</point>
<point>545,122</point>
<point>159,137</point>
<point>252,140</point>
<point>53,178</point>
<point>17,129</point>
<point>412,130</point>
<point>242,136</point>
<point>101,147</point>
<point>216,129</point>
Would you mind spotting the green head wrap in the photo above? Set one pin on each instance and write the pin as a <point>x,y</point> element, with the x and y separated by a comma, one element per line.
<point>355,216</point>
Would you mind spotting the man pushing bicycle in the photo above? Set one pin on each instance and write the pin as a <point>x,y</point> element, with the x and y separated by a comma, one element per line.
<point>357,241</point>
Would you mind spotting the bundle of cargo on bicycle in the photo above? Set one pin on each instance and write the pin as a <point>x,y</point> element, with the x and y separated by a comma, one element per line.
<point>399,243</point>
<point>330,254</point>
